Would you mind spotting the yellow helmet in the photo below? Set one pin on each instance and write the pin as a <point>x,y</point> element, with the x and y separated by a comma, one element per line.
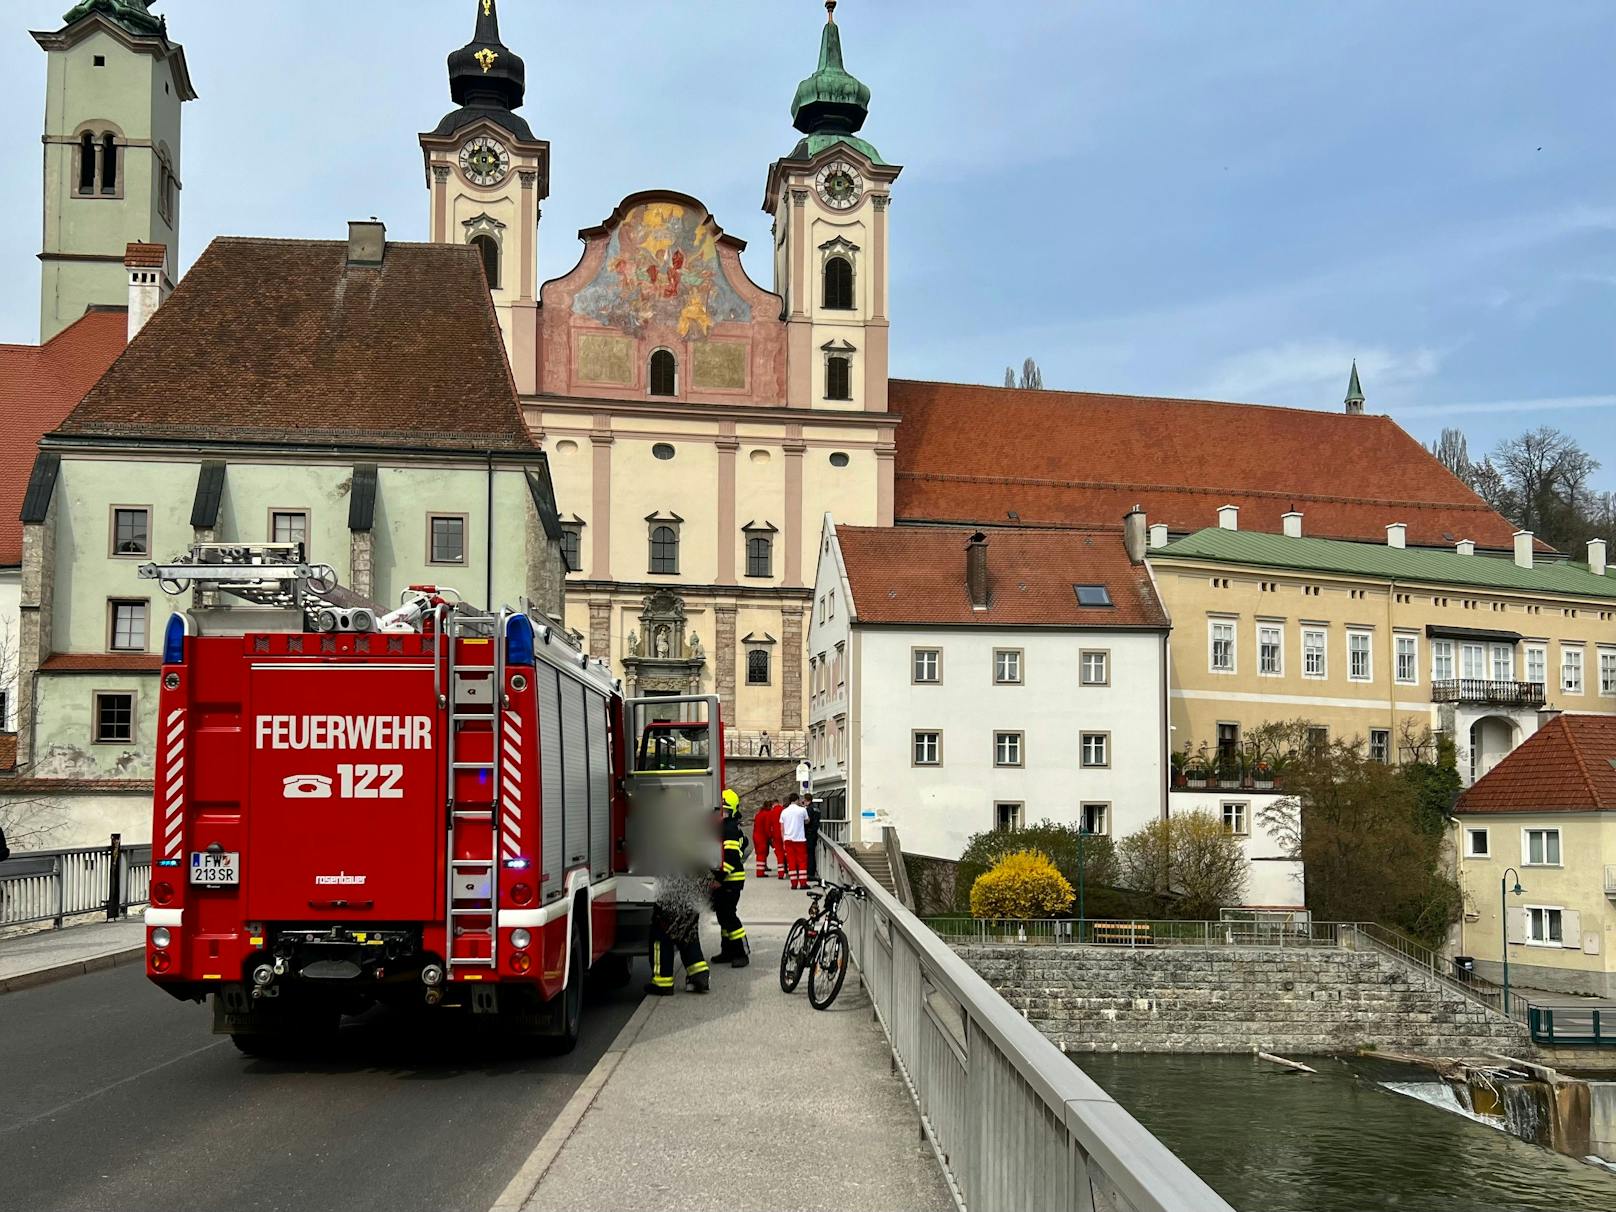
<point>731,800</point>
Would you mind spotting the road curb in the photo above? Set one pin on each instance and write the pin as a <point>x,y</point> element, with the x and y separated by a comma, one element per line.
<point>527,1179</point>
<point>71,968</point>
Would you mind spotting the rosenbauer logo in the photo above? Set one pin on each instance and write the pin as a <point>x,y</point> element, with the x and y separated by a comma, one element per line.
<point>344,732</point>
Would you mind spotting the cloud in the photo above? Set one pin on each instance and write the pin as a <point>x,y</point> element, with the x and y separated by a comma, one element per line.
<point>1541,404</point>
<point>1311,369</point>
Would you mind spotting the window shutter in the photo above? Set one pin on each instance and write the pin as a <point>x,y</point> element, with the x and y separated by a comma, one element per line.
<point>1515,924</point>
<point>1571,928</point>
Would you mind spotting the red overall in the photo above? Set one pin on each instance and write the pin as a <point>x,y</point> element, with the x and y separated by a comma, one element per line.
<point>766,833</point>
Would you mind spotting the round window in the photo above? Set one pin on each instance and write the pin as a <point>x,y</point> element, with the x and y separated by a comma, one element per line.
<point>838,459</point>
<point>663,451</point>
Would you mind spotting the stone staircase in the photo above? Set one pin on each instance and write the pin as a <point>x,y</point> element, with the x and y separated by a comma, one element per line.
<point>874,861</point>
<point>1294,1002</point>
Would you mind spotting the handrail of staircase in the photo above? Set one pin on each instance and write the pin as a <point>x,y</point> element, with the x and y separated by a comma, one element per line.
<point>1397,945</point>
<point>900,872</point>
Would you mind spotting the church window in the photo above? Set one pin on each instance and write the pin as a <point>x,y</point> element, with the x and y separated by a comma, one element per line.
<point>838,458</point>
<point>572,546</point>
<point>760,555</point>
<point>664,549</point>
<point>838,378</point>
<point>109,163</point>
<point>757,667</point>
<point>663,451</point>
<point>489,248</point>
<point>664,373</point>
<point>839,284</point>
<point>87,163</point>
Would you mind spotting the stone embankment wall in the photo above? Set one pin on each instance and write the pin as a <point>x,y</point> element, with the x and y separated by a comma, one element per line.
<point>1293,1002</point>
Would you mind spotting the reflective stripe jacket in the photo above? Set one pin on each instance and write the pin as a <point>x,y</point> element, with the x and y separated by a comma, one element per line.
<point>734,866</point>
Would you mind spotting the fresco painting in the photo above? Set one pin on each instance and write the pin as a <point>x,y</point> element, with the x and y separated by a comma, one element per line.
<point>662,270</point>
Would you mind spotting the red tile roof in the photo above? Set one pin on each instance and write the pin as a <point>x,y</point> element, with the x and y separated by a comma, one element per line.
<point>101,662</point>
<point>282,340</point>
<point>916,574</point>
<point>39,385</point>
<point>1565,766</point>
<point>145,256</point>
<point>974,454</point>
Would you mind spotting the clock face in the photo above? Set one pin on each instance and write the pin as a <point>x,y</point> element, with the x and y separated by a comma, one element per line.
<point>840,186</point>
<point>485,161</point>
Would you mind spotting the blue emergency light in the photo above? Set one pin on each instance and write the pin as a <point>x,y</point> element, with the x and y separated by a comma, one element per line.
<point>174,639</point>
<point>518,640</point>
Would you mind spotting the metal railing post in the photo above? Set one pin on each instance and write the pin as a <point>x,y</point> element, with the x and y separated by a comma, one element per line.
<point>59,873</point>
<point>115,878</point>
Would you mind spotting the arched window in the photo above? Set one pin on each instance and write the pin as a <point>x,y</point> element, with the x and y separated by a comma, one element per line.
<point>838,378</point>
<point>664,373</point>
<point>489,248</point>
<point>839,284</point>
<point>664,549</point>
<point>87,163</point>
<point>109,163</point>
<point>760,555</point>
<point>757,667</point>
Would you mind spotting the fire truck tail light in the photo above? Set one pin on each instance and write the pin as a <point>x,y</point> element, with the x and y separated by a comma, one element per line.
<point>520,939</point>
<point>522,894</point>
<point>160,936</point>
<point>519,640</point>
<point>160,961</point>
<point>162,892</point>
<point>174,640</point>
<point>520,962</point>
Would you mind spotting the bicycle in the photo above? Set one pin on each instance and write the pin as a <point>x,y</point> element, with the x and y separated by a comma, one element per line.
<point>818,945</point>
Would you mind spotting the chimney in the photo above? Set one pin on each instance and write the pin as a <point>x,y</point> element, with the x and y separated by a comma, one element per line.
<point>1229,517</point>
<point>367,243</point>
<point>1158,535</point>
<point>1465,546</point>
<point>1545,714</point>
<point>1397,535</point>
<point>976,570</point>
<point>1292,523</point>
<point>1133,534</point>
<point>149,285</point>
<point>1523,548</point>
<point>1596,557</point>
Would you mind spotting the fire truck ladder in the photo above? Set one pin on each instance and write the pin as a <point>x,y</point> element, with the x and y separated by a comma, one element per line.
<point>473,886</point>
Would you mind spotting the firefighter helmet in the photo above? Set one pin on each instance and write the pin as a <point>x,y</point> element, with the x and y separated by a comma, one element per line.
<point>732,802</point>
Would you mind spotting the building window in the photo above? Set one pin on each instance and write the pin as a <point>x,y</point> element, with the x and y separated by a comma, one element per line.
<point>1476,844</point>
<point>87,155</point>
<point>664,549</point>
<point>1095,748</point>
<point>127,626</point>
<point>1270,650</point>
<point>109,163</point>
<point>1007,748</point>
<point>1235,817</point>
<point>1317,737</point>
<point>757,667</point>
<point>1607,671</point>
<point>928,748</point>
<point>927,665</point>
<point>664,375</point>
<point>759,555</point>
<point>839,284</point>
<point>114,717</point>
<point>1570,670</point>
<point>488,248</point>
<point>838,377</point>
<point>1541,848</point>
<point>1441,660</point>
<point>662,451</point>
<point>1007,666</point>
<point>448,540</point>
<point>1222,655</point>
<point>572,536</point>
<point>1006,817</point>
<point>1380,745</point>
<point>1096,818</point>
<point>1228,746</point>
<point>1092,595</point>
<point>830,604</point>
<point>1537,664</point>
<point>1408,659</point>
<point>1313,659</point>
<point>1544,925</point>
<point>838,458</point>
<point>131,531</point>
<point>1358,656</point>
<point>1472,661</point>
<point>1503,663</point>
<point>1094,667</point>
<point>289,526</point>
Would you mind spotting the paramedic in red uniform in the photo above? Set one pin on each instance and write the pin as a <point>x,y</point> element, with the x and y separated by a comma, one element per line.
<point>766,833</point>
<point>794,831</point>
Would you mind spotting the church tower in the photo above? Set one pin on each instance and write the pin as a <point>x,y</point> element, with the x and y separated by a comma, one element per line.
<point>487,174</point>
<point>114,88</point>
<point>829,199</point>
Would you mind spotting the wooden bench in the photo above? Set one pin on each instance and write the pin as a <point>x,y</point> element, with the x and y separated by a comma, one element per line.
<point>1121,934</point>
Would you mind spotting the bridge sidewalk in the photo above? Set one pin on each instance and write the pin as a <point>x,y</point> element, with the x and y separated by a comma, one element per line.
<point>47,955</point>
<point>746,1099</point>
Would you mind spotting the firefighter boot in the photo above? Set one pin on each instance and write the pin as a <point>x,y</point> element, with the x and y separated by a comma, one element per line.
<point>698,980</point>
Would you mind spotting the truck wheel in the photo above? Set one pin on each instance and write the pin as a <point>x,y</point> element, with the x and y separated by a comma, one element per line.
<point>568,1006</point>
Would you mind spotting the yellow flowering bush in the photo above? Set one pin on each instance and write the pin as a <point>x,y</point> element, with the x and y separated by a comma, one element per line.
<point>1023,884</point>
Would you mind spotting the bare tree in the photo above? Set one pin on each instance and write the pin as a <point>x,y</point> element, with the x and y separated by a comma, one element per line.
<point>1453,452</point>
<point>29,822</point>
<point>1009,376</point>
<point>1549,474</point>
<point>1031,376</point>
<point>1190,855</point>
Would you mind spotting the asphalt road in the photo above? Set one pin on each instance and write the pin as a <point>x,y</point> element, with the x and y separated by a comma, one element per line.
<point>115,1096</point>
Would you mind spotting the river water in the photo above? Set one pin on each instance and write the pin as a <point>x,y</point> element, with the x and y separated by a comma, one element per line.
<point>1358,1135</point>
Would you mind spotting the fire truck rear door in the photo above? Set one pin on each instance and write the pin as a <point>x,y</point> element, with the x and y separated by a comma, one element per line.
<point>674,782</point>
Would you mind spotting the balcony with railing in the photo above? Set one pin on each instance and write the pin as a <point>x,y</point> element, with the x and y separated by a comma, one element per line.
<point>1487,693</point>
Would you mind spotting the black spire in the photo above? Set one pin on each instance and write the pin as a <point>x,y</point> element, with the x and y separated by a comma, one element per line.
<point>486,78</point>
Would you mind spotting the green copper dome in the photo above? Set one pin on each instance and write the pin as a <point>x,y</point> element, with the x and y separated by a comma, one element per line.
<point>131,14</point>
<point>831,101</point>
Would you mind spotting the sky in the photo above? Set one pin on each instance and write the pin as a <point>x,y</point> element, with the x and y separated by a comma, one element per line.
<point>1173,197</point>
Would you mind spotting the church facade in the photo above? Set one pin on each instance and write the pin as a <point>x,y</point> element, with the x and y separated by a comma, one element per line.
<point>699,425</point>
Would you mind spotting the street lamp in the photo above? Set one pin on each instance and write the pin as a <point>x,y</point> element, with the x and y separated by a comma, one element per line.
<point>1503,921</point>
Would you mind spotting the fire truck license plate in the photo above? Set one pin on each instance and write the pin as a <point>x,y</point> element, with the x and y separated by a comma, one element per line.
<point>223,867</point>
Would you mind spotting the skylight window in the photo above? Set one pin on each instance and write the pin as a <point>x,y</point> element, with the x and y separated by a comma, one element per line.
<point>1092,595</point>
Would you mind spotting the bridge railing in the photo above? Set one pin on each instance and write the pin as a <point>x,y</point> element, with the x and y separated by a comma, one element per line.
<point>52,885</point>
<point>1014,1123</point>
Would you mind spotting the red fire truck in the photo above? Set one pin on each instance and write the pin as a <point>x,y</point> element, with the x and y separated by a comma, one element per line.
<point>434,808</point>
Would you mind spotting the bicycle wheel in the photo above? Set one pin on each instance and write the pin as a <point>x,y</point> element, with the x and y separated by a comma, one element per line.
<point>828,969</point>
<point>793,957</point>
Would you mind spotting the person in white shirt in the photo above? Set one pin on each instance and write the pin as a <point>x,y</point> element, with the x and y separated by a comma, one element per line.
<point>794,833</point>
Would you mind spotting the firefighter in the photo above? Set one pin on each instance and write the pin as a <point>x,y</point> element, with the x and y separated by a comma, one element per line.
<point>766,833</point>
<point>676,926</point>
<point>728,881</point>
